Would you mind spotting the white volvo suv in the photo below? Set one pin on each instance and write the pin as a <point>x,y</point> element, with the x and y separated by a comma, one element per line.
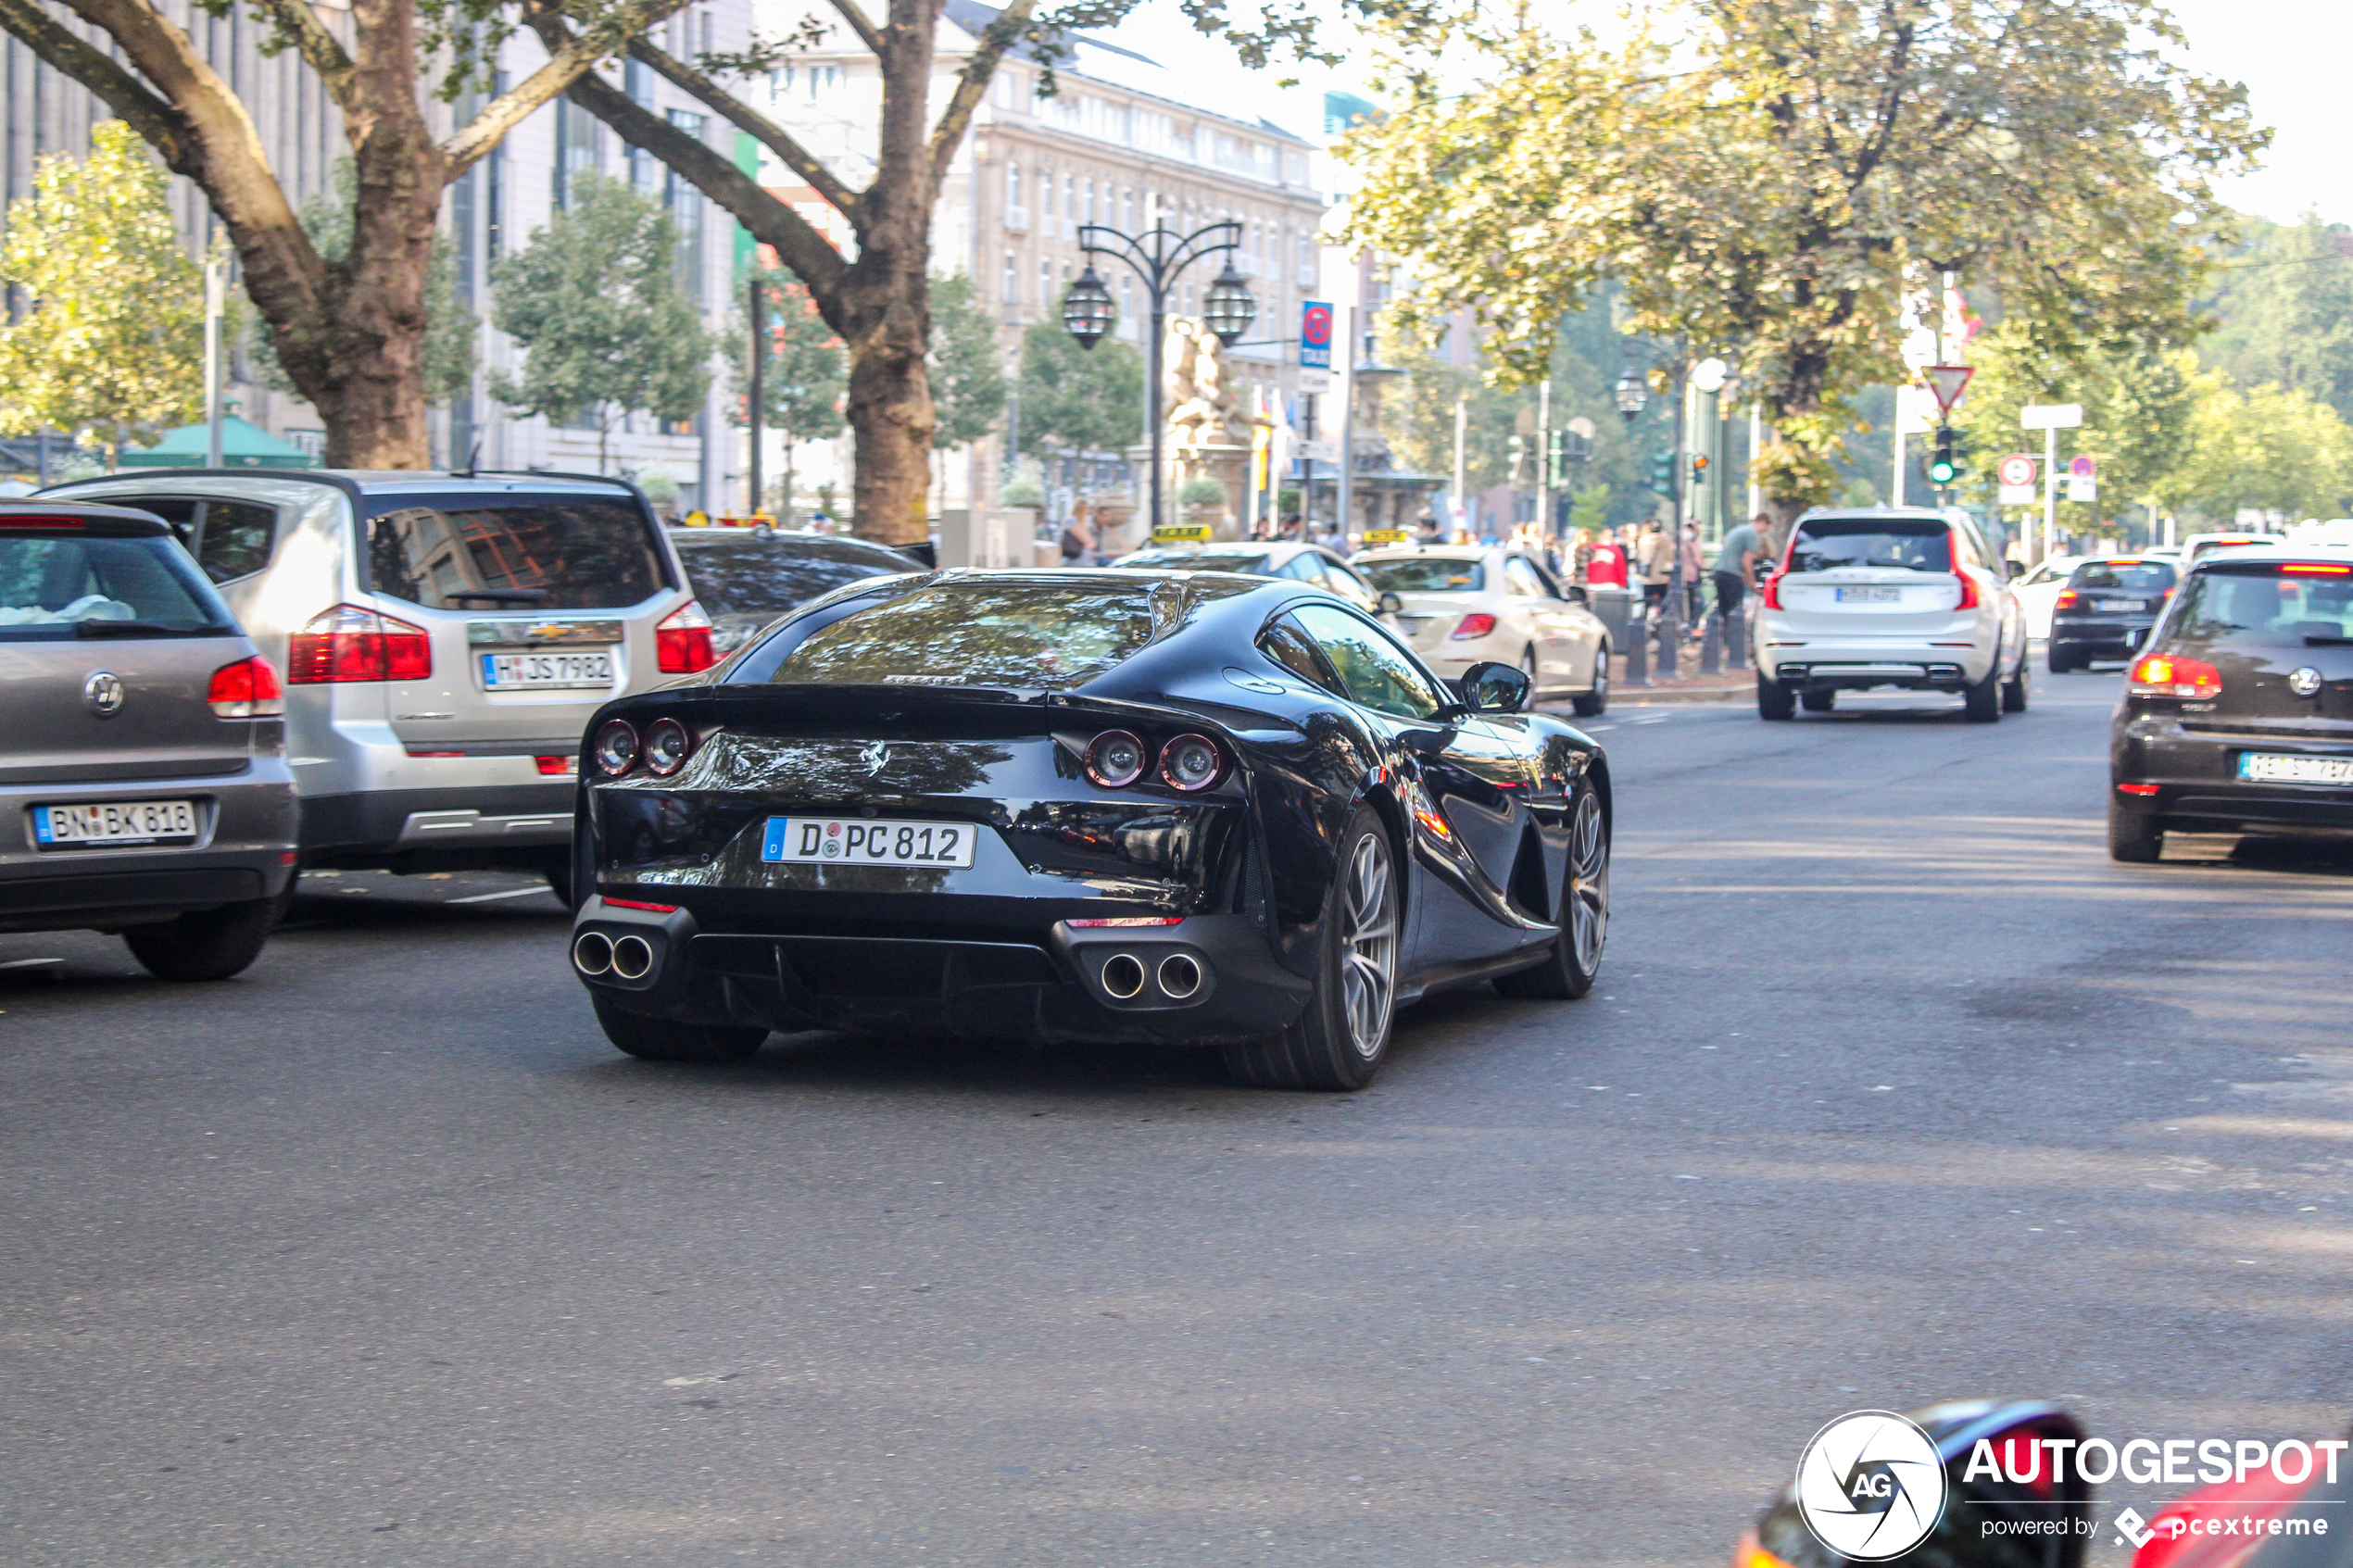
<point>1899,597</point>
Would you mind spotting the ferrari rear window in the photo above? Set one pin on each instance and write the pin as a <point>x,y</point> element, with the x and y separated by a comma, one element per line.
<point>1828,543</point>
<point>1026,635</point>
<point>1425,575</point>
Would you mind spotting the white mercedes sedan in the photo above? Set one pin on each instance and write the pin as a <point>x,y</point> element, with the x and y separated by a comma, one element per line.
<point>1463,605</point>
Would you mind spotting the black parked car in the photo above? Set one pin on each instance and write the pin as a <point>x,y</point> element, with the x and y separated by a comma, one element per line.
<point>2239,717</point>
<point>1196,808</point>
<point>746,577</point>
<point>2105,609</point>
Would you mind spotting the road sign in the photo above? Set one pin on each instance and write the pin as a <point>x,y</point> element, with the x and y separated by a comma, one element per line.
<point>2016,474</point>
<point>2082,487</point>
<point>1945,383</point>
<point>2083,467</point>
<point>2050,416</point>
<point>1315,335</point>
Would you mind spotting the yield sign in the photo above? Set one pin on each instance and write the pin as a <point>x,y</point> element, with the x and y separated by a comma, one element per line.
<point>1945,383</point>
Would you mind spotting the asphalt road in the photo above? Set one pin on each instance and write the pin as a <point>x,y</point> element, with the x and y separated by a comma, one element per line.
<point>1895,1089</point>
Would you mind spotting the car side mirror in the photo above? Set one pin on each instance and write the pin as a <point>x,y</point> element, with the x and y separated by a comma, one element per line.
<point>1392,604</point>
<point>1578,595</point>
<point>2017,569</point>
<point>1490,687</point>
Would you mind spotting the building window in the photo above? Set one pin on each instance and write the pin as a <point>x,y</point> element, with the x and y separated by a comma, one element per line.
<point>575,147</point>
<point>1127,211</point>
<point>686,214</point>
<point>1046,202</point>
<point>1045,285</point>
<point>637,81</point>
<point>1012,279</point>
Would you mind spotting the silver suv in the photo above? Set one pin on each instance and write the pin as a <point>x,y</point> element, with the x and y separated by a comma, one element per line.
<point>444,638</point>
<point>144,787</point>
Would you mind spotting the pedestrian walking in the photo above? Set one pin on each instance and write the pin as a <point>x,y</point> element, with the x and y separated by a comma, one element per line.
<point>1693,574</point>
<point>1736,563</point>
<point>1655,562</point>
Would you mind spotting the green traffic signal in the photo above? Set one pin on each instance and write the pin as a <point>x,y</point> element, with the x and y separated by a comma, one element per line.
<point>1663,472</point>
<point>1943,466</point>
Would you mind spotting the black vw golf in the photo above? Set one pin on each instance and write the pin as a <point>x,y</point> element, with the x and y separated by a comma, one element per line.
<point>1195,809</point>
<point>2239,718</point>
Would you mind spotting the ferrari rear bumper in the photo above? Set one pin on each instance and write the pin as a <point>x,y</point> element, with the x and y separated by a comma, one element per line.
<point>1202,980</point>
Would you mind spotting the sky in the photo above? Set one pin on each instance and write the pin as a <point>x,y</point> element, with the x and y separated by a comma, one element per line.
<point>2292,55</point>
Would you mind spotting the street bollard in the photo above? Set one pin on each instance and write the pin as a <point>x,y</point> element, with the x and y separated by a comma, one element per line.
<point>1711,647</point>
<point>1670,637</point>
<point>1638,657</point>
<point>1735,640</point>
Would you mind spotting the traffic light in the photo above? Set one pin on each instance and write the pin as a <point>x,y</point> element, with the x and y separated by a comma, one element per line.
<point>1943,464</point>
<point>1519,455</point>
<point>1699,468</point>
<point>1663,472</point>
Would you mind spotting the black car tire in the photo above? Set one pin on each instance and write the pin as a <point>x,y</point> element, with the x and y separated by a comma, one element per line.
<point>208,944</point>
<point>1982,703</point>
<point>1592,704</point>
<point>1343,1037</point>
<point>1574,958</point>
<point>2135,836</point>
<point>1773,700</point>
<point>2014,691</point>
<point>1817,699</point>
<point>2060,663</point>
<point>659,1039</point>
<point>560,884</point>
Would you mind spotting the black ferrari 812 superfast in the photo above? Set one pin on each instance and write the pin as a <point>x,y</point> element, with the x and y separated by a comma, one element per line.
<point>1192,808</point>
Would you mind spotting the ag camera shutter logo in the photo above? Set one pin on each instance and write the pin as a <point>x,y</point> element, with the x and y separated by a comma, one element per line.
<point>1870,1487</point>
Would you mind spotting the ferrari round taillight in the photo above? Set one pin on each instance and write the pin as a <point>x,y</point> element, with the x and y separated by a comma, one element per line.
<point>1191,763</point>
<point>616,747</point>
<point>1115,758</point>
<point>667,743</point>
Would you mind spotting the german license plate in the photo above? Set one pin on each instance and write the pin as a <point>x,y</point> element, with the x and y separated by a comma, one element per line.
<point>114,821</point>
<point>1870,595</point>
<point>2271,767</point>
<point>866,841</point>
<point>512,671</point>
<point>2114,607</point>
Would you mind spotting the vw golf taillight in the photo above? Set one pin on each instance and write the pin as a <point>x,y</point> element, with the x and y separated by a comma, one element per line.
<point>247,689</point>
<point>2065,600</point>
<point>349,643</point>
<point>1473,627</point>
<point>681,643</point>
<point>2165,674</point>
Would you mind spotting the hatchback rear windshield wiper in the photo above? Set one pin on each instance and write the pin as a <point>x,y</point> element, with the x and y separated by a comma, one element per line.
<point>146,629</point>
<point>504,596</point>
<point>2328,642</point>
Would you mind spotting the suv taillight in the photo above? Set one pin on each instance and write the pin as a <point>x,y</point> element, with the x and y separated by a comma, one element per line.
<point>349,643</point>
<point>681,643</point>
<point>1969,591</point>
<point>1771,592</point>
<point>2065,600</point>
<point>247,689</point>
<point>2163,675</point>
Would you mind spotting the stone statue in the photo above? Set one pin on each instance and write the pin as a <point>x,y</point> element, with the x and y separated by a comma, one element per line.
<point>1201,412</point>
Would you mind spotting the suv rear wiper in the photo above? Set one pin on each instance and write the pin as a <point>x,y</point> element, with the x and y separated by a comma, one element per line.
<point>146,629</point>
<point>2310,641</point>
<point>503,595</point>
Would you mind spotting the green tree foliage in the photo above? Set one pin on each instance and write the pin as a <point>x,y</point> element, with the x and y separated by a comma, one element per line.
<point>111,337</point>
<point>453,333</point>
<point>801,382</point>
<point>968,387</point>
<point>593,301</point>
<point>2284,310</point>
<point>1075,399</point>
<point>1771,183</point>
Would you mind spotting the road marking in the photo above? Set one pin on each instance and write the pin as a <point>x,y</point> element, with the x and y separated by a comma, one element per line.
<point>509,892</point>
<point>29,963</point>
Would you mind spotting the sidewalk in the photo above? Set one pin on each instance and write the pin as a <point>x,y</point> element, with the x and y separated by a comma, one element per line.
<point>1732,685</point>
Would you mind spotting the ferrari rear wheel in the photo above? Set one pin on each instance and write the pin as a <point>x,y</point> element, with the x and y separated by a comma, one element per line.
<point>658,1039</point>
<point>1341,1039</point>
<point>1568,970</point>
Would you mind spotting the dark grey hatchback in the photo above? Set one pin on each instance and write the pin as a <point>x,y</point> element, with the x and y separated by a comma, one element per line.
<point>144,787</point>
<point>2238,717</point>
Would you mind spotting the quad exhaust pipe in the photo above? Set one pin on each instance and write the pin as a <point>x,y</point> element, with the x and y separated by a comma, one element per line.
<point>625,957</point>
<point>1178,978</point>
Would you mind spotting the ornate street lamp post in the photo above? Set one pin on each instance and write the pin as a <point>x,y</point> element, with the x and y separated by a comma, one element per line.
<point>1158,257</point>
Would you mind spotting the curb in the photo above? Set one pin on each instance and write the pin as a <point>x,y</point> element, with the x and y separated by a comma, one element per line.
<point>1643,696</point>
